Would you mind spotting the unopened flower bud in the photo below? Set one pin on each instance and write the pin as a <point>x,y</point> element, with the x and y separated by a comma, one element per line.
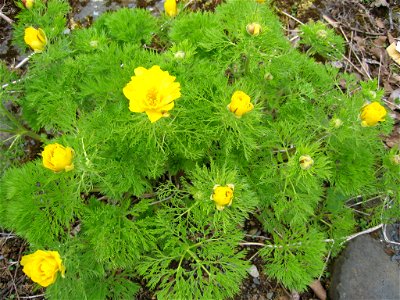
<point>372,94</point>
<point>180,55</point>
<point>306,162</point>
<point>268,76</point>
<point>322,34</point>
<point>28,3</point>
<point>396,159</point>
<point>94,44</point>
<point>337,123</point>
<point>253,29</point>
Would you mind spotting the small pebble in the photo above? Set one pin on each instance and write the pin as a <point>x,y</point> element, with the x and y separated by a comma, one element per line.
<point>253,271</point>
<point>270,295</point>
<point>256,281</point>
<point>337,64</point>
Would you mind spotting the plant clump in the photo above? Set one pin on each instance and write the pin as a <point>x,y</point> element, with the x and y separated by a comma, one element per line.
<point>155,156</point>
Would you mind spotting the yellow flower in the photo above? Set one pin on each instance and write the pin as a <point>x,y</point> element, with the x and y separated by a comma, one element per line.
<point>306,162</point>
<point>253,29</point>
<point>170,8</point>
<point>42,266</point>
<point>152,91</point>
<point>372,113</point>
<point>260,1</point>
<point>240,104</point>
<point>58,158</point>
<point>222,195</point>
<point>28,3</point>
<point>35,38</point>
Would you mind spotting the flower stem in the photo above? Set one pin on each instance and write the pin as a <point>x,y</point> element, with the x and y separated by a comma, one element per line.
<point>20,129</point>
<point>24,61</point>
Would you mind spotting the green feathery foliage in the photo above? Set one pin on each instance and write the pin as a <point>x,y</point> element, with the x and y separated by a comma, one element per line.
<point>142,201</point>
<point>322,40</point>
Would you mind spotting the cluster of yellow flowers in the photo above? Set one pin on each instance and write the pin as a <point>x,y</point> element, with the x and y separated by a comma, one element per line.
<point>152,91</point>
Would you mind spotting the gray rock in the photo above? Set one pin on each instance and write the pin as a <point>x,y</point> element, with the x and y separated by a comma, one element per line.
<point>365,271</point>
<point>253,271</point>
<point>270,295</point>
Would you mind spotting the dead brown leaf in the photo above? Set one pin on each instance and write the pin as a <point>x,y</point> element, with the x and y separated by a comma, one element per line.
<point>393,141</point>
<point>380,41</point>
<point>393,53</point>
<point>380,23</point>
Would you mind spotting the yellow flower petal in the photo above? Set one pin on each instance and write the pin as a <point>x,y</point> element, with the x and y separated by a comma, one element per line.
<point>154,115</point>
<point>140,71</point>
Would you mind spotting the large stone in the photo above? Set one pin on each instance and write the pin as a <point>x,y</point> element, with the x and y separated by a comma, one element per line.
<point>365,272</point>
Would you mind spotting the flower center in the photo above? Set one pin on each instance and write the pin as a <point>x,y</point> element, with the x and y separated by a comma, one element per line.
<point>151,97</point>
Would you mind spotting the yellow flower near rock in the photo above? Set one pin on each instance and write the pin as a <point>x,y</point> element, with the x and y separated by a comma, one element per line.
<point>170,8</point>
<point>152,91</point>
<point>306,162</point>
<point>240,104</point>
<point>42,266</point>
<point>58,158</point>
<point>35,38</point>
<point>372,114</point>
<point>222,195</point>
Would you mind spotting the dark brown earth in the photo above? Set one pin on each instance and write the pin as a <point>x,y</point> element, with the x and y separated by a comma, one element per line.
<point>368,26</point>
<point>13,283</point>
